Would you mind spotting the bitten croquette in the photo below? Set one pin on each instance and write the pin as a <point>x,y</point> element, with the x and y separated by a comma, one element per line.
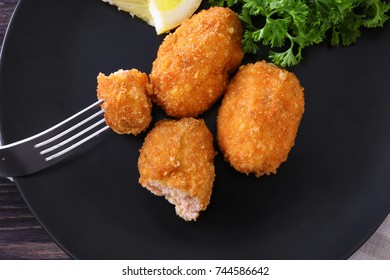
<point>127,105</point>
<point>177,161</point>
<point>193,64</point>
<point>259,117</point>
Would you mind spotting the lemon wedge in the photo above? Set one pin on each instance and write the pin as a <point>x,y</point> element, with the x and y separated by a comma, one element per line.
<point>168,14</point>
<point>164,15</point>
<point>138,8</point>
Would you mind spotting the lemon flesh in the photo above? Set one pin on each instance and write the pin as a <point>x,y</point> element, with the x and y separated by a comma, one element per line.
<point>138,8</point>
<point>168,14</point>
<point>164,15</point>
<point>167,5</point>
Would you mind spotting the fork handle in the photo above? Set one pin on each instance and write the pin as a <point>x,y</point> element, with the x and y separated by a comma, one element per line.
<point>12,163</point>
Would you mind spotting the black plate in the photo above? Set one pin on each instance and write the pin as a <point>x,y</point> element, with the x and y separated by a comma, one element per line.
<point>324,203</point>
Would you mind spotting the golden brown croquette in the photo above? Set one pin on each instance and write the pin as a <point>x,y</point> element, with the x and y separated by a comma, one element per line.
<point>177,161</point>
<point>126,101</point>
<point>259,117</point>
<point>193,64</point>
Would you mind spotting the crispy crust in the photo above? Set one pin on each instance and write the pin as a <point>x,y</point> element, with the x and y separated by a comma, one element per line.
<point>259,117</point>
<point>179,155</point>
<point>128,109</point>
<point>193,64</point>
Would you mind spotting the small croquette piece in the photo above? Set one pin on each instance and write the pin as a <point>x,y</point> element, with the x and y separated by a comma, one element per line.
<point>177,161</point>
<point>128,108</point>
<point>259,117</point>
<point>193,64</point>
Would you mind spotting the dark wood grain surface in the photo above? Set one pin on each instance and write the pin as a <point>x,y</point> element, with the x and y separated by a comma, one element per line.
<point>21,236</point>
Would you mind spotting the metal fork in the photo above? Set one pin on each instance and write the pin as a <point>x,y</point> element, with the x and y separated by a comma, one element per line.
<point>52,145</point>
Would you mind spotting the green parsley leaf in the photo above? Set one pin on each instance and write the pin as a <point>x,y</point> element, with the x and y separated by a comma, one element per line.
<point>288,26</point>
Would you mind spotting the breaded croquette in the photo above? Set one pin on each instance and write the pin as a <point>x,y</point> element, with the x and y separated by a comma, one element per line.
<point>193,64</point>
<point>177,161</point>
<point>126,103</point>
<point>259,117</point>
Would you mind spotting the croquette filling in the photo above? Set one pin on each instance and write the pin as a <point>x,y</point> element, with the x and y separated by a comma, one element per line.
<point>186,206</point>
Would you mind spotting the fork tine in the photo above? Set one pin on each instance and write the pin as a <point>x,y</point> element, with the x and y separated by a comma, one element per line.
<point>94,105</point>
<point>53,128</point>
<point>77,135</point>
<point>64,138</point>
<point>59,135</point>
<point>52,145</point>
<point>75,145</point>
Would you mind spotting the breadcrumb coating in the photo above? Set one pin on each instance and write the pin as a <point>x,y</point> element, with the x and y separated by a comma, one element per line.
<point>259,118</point>
<point>193,64</point>
<point>177,161</point>
<point>128,108</point>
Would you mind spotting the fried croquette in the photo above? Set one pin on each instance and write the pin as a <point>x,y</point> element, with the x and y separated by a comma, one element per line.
<point>193,64</point>
<point>127,105</point>
<point>177,161</point>
<point>259,117</point>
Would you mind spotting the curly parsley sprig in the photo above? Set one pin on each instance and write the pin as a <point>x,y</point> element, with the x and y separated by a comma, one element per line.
<point>288,26</point>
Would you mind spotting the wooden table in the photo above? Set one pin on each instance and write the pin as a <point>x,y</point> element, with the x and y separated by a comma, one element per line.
<point>21,236</point>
